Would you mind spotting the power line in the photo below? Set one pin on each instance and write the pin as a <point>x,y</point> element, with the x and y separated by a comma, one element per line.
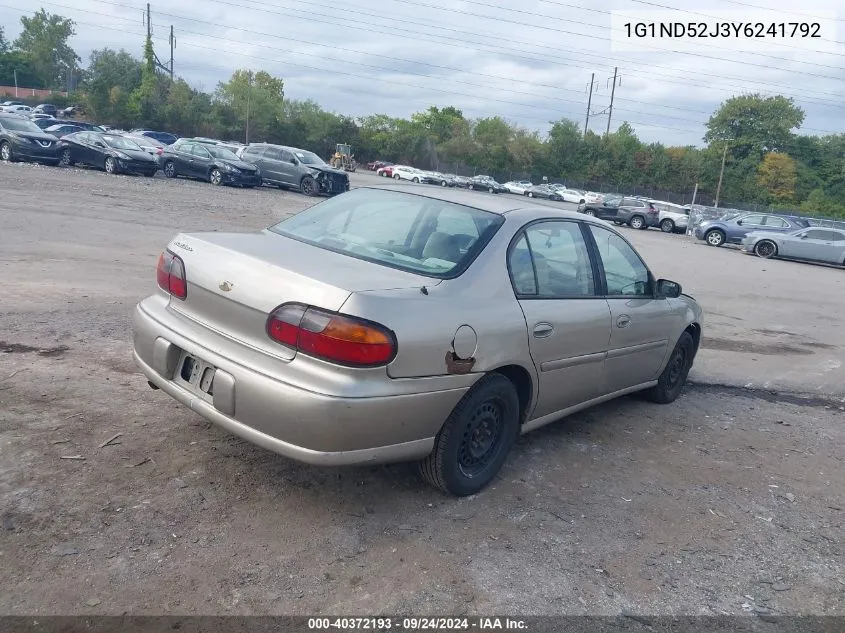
<point>757,6</point>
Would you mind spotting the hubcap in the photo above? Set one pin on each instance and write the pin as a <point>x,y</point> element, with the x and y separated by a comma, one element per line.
<point>636,223</point>
<point>169,170</point>
<point>109,165</point>
<point>215,177</point>
<point>481,439</point>
<point>667,227</point>
<point>676,369</point>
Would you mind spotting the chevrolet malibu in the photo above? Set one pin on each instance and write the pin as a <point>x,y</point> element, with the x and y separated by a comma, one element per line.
<point>382,325</point>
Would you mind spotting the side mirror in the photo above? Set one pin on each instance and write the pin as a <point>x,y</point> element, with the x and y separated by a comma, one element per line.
<point>739,222</point>
<point>293,161</point>
<point>668,289</point>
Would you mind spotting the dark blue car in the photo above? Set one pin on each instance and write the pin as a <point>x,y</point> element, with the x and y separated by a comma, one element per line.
<point>733,228</point>
<point>163,137</point>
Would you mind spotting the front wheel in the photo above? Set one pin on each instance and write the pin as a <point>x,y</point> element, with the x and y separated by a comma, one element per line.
<point>443,183</point>
<point>170,169</point>
<point>308,186</point>
<point>110,165</point>
<point>765,249</point>
<point>473,444</point>
<point>530,194</point>
<point>470,187</point>
<point>491,190</point>
<point>396,177</point>
<point>6,151</point>
<point>672,380</point>
<point>417,180</point>
<point>215,177</point>
<point>66,160</point>
<point>637,222</point>
<point>667,226</point>
<point>589,212</point>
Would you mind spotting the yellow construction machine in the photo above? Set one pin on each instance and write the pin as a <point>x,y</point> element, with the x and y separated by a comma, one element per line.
<point>343,158</point>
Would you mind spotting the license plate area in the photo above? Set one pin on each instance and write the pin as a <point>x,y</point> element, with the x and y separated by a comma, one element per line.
<point>196,375</point>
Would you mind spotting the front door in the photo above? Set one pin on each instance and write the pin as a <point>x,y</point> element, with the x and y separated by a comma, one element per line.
<point>812,244</point>
<point>568,321</point>
<point>640,323</point>
<point>200,161</point>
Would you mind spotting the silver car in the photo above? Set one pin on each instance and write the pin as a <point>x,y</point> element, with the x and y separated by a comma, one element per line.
<point>385,325</point>
<point>815,244</point>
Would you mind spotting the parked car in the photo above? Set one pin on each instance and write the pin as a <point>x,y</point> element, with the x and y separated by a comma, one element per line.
<point>436,178</point>
<point>83,125</point>
<point>606,209</point>
<point>62,129</point>
<point>109,152</point>
<point>11,103</point>
<point>46,108</point>
<point>377,164</point>
<point>733,228</point>
<point>543,191</point>
<point>35,116</point>
<point>202,161</point>
<point>164,137</point>
<point>316,337</point>
<point>153,147</point>
<point>518,187</point>
<point>672,218</point>
<point>815,244</point>
<point>21,139</point>
<point>404,172</point>
<point>24,110</point>
<point>385,171</point>
<point>291,167</point>
<point>485,183</point>
<point>638,214</point>
<point>578,196</point>
<point>462,182</point>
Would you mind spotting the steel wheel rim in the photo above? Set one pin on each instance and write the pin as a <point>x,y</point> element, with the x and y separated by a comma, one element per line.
<point>676,367</point>
<point>636,223</point>
<point>481,439</point>
<point>714,238</point>
<point>765,249</point>
<point>215,177</point>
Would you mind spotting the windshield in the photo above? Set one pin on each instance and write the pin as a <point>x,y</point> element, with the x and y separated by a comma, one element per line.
<point>222,153</point>
<point>118,142</point>
<point>405,231</point>
<point>21,125</point>
<point>309,158</point>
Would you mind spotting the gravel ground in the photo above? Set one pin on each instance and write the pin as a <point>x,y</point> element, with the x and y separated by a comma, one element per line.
<point>728,501</point>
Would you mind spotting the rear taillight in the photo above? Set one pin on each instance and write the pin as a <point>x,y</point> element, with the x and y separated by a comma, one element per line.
<point>338,338</point>
<point>159,151</point>
<point>170,275</point>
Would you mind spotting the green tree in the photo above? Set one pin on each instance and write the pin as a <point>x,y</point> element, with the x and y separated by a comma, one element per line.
<point>145,99</point>
<point>256,99</point>
<point>778,174</point>
<point>4,44</point>
<point>111,77</point>
<point>754,124</point>
<point>44,40</point>
<point>16,64</point>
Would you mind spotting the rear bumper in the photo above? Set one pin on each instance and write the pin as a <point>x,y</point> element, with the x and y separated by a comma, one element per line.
<point>298,423</point>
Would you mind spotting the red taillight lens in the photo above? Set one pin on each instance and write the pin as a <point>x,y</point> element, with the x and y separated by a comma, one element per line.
<point>334,337</point>
<point>159,151</point>
<point>170,274</point>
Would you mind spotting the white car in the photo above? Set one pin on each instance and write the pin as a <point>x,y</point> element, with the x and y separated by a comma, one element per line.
<point>519,187</point>
<point>18,109</point>
<point>402,172</point>
<point>672,218</point>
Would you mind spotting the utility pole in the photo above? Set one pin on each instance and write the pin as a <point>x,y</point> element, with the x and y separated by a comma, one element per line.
<point>721,175</point>
<point>694,194</point>
<point>172,46</point>
<point>248,95</point>
<point>692,209</point>
<point>149,23</point>
<point>16,83</point>
<point>589,102</point>
<point>612,92</point>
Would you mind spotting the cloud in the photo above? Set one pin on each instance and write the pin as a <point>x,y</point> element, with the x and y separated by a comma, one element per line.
<point>530,63</point>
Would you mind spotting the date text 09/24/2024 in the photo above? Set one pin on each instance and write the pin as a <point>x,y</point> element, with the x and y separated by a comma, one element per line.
<point>417,624</point>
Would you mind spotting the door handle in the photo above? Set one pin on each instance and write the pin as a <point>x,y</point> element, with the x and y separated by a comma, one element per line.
<point>542,330</point>
<point>623,321</point>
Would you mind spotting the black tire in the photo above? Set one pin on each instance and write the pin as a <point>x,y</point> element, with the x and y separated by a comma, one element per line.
<point>215,177</point>
<point>765,249</point>
<point>589,212</point>
<point>308,186</point>
<point>492,400</point>
<point>416,180</point>
<point>65,160</point>
<point>443,183</point>
<point>530,194</point>
<point>714,237</point>
<point>110,165</point>
<point>491,190</point>
<point>6,152</point>
<point>667,226</point>
<point>170,169</point>
<point>637,222</point>
<point>674,375</point>
<point>470,187</point>
<point>396,177</point>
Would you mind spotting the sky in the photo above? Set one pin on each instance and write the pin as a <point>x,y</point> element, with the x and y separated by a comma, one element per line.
<point>530,62</point>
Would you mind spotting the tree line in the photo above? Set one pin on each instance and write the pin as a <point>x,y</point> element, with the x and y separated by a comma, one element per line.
<point>766,162</point>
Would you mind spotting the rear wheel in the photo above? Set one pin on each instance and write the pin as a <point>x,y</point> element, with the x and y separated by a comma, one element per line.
<point>491,190</point>
<point>6,151</point>
<point>714,237</point>
<point>672,380</point>
<point>474,442</point>
<point>396,176</point>
<point>170,169</point>
<point>530,194</point>
<point>765,249</point>
<point>443,183</point>
<point>416,180</point>
<point>667,226</point>
<point>637,222</point>
<point>589,212</point>
<point>66,160</point>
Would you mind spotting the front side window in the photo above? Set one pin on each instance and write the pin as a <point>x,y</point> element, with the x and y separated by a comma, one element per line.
<point>405,231</point>
<point>558,254</point>
<point>624,271</point>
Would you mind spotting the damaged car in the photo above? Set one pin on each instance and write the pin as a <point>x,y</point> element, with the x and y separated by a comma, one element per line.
<point>389,325</point>
<point>290,167</point>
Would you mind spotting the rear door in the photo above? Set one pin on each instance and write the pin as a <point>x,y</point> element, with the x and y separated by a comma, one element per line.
<point>182,158</point>
<point>568,321</point>
<point>640,323</point>
<point>200,160</point>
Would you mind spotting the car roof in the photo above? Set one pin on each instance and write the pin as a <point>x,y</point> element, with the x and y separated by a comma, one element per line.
<point>493,204</point>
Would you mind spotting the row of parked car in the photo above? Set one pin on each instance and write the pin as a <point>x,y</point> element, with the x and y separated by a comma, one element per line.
<point>145,152</point>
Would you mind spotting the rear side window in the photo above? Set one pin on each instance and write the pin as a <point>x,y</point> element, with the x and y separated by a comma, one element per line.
<point>254,152</point>
<point>405,231</point>
<point>776,222</point>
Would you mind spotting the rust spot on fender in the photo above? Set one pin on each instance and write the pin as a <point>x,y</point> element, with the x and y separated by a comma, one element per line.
<point>455,365</point>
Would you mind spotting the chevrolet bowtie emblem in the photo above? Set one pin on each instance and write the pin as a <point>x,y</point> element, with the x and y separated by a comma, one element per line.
<point>226,286</point>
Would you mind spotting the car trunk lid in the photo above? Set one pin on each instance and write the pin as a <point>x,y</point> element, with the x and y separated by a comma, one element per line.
<point>235,280</point>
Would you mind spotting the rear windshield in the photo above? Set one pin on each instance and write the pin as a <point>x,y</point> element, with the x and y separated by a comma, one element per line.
<point>410,232</point>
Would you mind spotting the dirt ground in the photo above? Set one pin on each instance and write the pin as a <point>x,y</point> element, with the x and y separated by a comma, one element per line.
<point>729,501</point>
